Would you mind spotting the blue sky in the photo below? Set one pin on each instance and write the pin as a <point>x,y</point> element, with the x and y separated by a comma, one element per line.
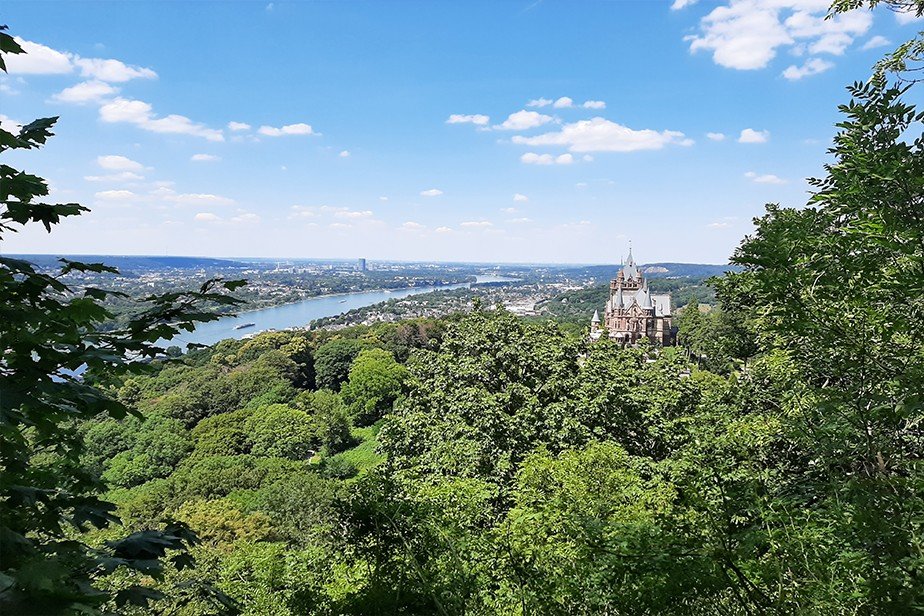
<point>495,131</point>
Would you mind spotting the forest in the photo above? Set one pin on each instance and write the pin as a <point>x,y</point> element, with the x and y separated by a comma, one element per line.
<point>483,463</point>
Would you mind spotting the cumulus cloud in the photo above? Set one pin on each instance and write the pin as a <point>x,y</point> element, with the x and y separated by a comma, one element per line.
<point>118,163</point>
<point>594,105</point>
<point>682,4</point>
<point>749,135</point>
<point>206,217</point>
<point>520,198</point>
<point>86,92</point>
<point>38,60</point>
<point>601,135</point>
<point>540,102</point>
<point>245,217</point>
<point>747,34</point>
<point>520,221</point>
<point>443,230</point>
<point>532,158</point>
<point>112,70</point>
<point>204,158</point>
<point>412,226</point>
<point>809,67</point>
<point>875,42</point>
<point>115,195</point>
<point>716,136</point>
<point>344,154</point>
<point>476,119</point>
<point>767,178</point>
<point>238,126</point>
<point>141,114</point>
<point>196,198</point>
<point>476,224</point>
<point>289,129</point>
<point>43,60</point>
<point>563,103</point>
<point>432,192</point>
<point>719,225</point>
<point>353,214</point>
<point>124,176</point>
<point>906,16</point>
<point>523,120</point>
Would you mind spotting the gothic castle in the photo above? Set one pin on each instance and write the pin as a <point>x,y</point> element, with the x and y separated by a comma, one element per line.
<point>633,312</point>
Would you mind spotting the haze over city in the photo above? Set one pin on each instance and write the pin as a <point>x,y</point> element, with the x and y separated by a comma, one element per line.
<point>516,131</point>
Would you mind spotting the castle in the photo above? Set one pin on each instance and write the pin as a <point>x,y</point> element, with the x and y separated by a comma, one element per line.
<point>633,311</point>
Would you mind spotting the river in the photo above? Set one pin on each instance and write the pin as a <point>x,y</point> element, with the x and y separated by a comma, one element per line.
<point>299,314</point>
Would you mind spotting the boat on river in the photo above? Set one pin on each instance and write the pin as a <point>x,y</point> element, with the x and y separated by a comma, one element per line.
<point>244,325</point>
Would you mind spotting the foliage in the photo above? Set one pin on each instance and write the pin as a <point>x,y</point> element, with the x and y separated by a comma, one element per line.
<point>332,361</point>
<point>53,354</point>
<point>374,384</point>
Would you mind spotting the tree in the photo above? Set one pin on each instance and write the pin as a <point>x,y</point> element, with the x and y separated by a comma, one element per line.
<point>332,362</point>
<point>836,290</point>
<point>52,350</point>
<point>374,384</point>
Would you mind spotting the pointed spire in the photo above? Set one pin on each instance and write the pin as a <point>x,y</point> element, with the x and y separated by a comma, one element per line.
<point>619,303</point>
<point>630,260</point>
<point>596,318</point>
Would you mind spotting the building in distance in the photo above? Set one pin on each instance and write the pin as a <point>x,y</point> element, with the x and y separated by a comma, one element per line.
<point>361,265</point>
<point>633,312</point>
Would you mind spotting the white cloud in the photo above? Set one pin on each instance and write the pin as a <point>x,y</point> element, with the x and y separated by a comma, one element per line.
<point>810,67</point>
<point>564,159</point>
<point>716,136</point>
<point>246,217</point>
<point>519,197</point>
<point>531,158</point>
<point>115,195</point>
<point>301,211</point>
<point>767,178</point>
<point>412,226</point>
<point>749,135</point>
<point>86,92</point>
<point>520,221</point>
<point>383,198</point>
<point>876,41</point>
<point>601,135</point>
<point>118,163</point>
<point>443,230</point>
<point>682,4</point>
<point>112,70</point>
<point>339,226</point>
<point>206,217</point>
<point>197,199</point>
<point>125,176</point>
<point>353,214</point>
<point>476,224</point>
<point>594,105</point>
<point>510,210</point>
<point>289,129</point>
<point>907,16</point>
<point>563,103</point>
<point>746,34</point>
<point>38,60</point>
<point>477,119</point>
<point>204,158</point>
<point>587,158</point>
<point>238,126</point>
<point>719,225</point>
<point>344,154</point>
<point>540,102</point>
<point>523,120</point>
<point>432,192</point>
<point>141,115</point>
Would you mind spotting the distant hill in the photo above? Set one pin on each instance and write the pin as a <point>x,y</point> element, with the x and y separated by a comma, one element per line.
<point>137,263</point>
<point>661,270</point>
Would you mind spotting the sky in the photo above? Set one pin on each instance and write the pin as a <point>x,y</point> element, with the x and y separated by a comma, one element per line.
<point>514,131</point>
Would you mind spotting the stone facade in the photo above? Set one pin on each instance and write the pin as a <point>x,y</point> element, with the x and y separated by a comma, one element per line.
<point>633,312</point>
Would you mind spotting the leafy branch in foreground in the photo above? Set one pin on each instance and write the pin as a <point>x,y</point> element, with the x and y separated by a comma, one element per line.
<point>52,351</point>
